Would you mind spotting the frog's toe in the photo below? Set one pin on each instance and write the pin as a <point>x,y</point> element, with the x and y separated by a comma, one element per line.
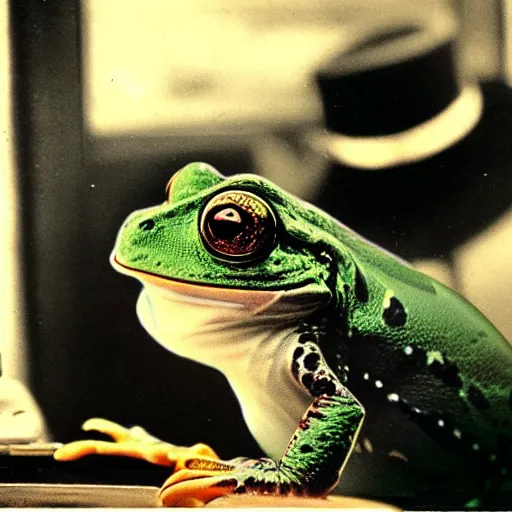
<point>117,432</point>
<point>78,449</point>
<point>209,479</point>
<point>196,491</point>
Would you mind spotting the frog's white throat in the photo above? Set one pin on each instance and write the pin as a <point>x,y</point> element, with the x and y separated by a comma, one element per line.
<point>250,346</point>
<point>216,332</point>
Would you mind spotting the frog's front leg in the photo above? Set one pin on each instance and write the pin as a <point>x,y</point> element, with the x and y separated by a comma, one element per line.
<point>130,442</point>
<point>313,460</point>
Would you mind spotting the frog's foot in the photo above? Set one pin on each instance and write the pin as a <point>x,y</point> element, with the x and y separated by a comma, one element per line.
<point>130,442</point>
<point>197,481</point>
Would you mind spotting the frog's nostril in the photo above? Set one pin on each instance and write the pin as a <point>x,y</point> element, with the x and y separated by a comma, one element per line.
<point>147,225</point>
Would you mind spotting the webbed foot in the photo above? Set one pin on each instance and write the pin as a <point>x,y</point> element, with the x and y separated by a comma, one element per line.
<point>130,442</point>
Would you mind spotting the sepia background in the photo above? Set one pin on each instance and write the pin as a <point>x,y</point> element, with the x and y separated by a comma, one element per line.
<point>106,100</point>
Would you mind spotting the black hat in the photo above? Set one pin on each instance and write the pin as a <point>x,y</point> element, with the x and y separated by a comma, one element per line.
<point>392,79</point>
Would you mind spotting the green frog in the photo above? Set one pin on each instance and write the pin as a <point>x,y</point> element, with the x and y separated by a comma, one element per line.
<point>355,373</point>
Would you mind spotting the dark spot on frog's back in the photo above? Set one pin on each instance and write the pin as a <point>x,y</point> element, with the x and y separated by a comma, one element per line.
<point>315,413</point>
<point>447,372</point>
<point>147,225</point>
<point>307,337</point>
<point>297,353</point>
<point>477,398</point>
<point>306,448</point>
<point>394,315</point>
<point>323,387</point>
<point>311,361</point>
<point>451,376</point>
<point>307,380</point>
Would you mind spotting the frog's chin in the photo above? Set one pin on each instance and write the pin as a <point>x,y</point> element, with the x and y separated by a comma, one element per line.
<point>251,299</point>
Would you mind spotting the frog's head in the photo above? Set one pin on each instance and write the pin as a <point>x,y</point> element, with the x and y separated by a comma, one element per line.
<point>237,233</point>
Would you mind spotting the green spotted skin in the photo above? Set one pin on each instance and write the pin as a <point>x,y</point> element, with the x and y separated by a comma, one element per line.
<point>429,374</point>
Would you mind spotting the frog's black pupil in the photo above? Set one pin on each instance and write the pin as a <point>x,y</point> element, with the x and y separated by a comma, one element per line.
<point>227,225</point>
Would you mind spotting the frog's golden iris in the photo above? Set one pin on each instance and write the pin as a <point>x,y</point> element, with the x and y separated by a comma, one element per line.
<point>238,226</point>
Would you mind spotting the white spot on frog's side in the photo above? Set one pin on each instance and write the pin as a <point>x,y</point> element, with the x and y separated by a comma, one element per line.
<point>378,384</point>
<point>476,447</point>
<point>398,455</point>
<point>408,350</point>
<point>367,445</point>
<point>457,433</point>
<point>393,397</point>
<point>433,356</point>
<point>366,376</point>
<point>440,423</point>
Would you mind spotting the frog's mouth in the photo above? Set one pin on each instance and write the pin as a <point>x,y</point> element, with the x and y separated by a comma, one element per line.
<point>251,299</point>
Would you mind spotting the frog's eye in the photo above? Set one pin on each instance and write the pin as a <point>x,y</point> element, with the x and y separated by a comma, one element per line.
<point>238,226</point>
